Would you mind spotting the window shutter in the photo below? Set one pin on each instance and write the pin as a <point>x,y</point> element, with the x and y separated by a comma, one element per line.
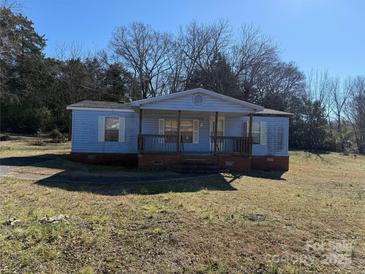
<point>244,129</point>
<point>195,131</point>
<point>280,138</point>
<point>263,133</point>
<point>121,129</point>
<point>101,129</point>
<point>248,127</point>
<point>161,129</point>
<point>161,126</point>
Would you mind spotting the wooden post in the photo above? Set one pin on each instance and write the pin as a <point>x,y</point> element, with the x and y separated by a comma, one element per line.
<point>140,137</point>
<point>178,132</point>
<point>215,132</point>
<point>140,120</point>
<point>250,136</point>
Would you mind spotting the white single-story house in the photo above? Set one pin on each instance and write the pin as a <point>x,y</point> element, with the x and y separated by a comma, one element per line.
<point>195,128</point>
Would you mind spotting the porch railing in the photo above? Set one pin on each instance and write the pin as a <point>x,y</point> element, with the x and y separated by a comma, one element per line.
<point>230,145</point>
<point>155,143</point>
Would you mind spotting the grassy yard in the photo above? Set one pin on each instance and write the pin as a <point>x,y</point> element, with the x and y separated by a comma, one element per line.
<point>308,220</point>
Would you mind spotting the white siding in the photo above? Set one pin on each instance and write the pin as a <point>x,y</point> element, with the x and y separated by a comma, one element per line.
<point>85,131</point>
<point>85,136</point>
<point>273,126</point>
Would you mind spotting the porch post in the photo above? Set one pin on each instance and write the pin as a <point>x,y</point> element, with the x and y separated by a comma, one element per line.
<point>250,136</point>
<point>215,132</point>
<point>178,132</point>
<point>140,137</point>
<point>140,121</point>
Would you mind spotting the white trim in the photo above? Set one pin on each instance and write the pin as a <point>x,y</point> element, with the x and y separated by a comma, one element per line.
<point>161,126</point>
<point>161,129</point>
<point>139,103</point>
<point>242,112</point>
<point>101,129</point>
<point>263,133</point>
<point>196,130</point>
<point>121,136</point>
<point>100,109</point>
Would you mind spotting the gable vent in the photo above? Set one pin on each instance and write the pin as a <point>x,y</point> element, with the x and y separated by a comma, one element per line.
<point>197,99</point>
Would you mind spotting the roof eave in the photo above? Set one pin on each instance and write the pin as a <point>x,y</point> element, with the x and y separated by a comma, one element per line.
<point>98,109</point>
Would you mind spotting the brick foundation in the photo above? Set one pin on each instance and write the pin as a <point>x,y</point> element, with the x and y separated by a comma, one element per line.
<point>270,162</point>
<point>234,163</point>
<point>158,161</point>
<point>161,161</point>
<point>124,159</point>
<point>168,161</point>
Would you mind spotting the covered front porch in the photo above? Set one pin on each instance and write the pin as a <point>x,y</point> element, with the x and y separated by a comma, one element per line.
<point>195,129</point>
<point>195,133</point>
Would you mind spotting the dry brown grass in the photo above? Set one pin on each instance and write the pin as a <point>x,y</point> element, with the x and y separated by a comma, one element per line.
<point>315,222</point>
<point>24,146</point>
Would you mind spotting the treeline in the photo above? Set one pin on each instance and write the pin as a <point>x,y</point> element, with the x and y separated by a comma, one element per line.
<point>329,114</point>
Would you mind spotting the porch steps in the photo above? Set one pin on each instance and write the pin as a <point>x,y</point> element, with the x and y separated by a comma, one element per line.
<point>196,165</point>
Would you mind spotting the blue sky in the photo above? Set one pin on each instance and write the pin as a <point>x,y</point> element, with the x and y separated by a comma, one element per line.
<point>319,34</point>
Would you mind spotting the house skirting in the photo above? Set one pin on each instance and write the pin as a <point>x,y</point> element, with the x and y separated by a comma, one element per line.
<point>270,163</point>
<point>125,159</point>
<point>169,161</point>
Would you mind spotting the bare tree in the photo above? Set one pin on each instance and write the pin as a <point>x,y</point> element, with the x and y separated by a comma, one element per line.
<point>251,57</point>
<point>197,46</point>
<point>355,110</point>
<point>280,83</point>
<point>339,96</point>
<point>263,77</point>
<point>146,54</point>
<point>67,51</point>
<point>320,87</point>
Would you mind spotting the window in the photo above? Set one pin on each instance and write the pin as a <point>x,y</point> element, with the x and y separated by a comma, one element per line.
<point>111,129</point>
<point>186,130</point>
<point>276,142</point>
<point>170,127</point>
<point>220,129</point>
<point>256,132</point>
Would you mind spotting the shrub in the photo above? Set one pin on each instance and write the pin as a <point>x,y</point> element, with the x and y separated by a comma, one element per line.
<point>38,141</point>
<point>57,136</point>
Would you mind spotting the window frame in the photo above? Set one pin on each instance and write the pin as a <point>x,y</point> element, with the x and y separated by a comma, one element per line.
<point>172,124</point>
<point>256,133</point>
<point>221,120</point>
<point>106,135</point>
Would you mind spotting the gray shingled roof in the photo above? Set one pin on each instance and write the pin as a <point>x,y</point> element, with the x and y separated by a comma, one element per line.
<point>100,104</point>
<point>273,112</point>
<point>116,105</point>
